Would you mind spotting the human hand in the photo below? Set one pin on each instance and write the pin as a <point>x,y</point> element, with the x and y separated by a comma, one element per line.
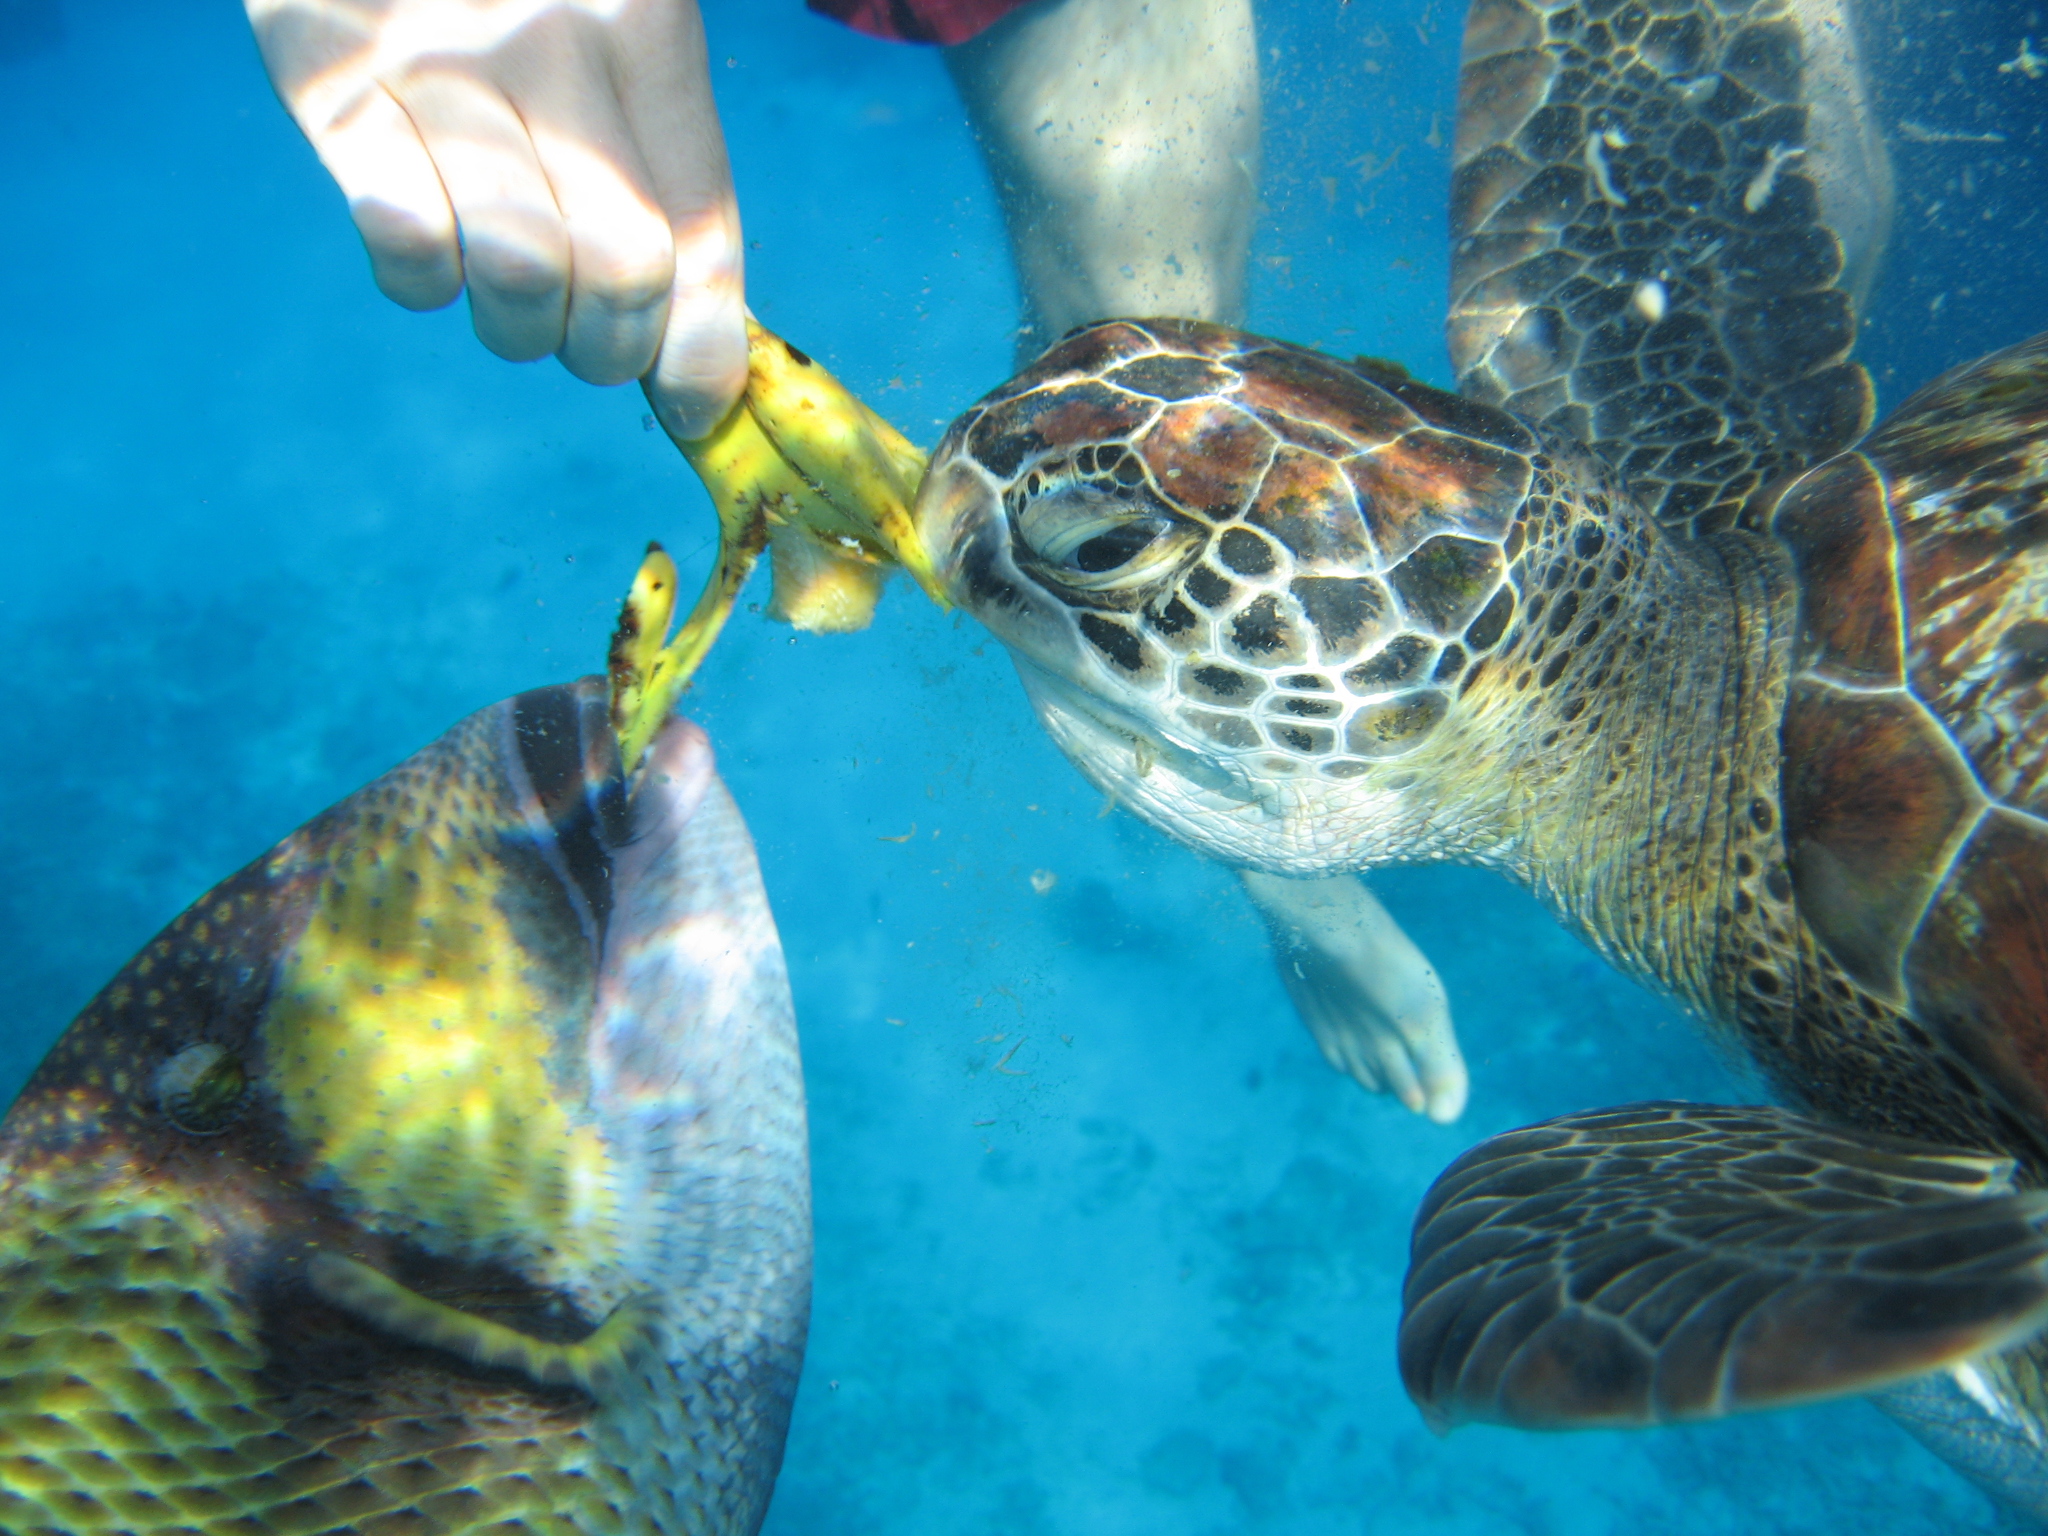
<point>1368,995</point>
<point>562,157</point>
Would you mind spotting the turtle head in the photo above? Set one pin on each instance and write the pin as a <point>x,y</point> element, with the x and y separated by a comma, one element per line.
<point>1247,586</point>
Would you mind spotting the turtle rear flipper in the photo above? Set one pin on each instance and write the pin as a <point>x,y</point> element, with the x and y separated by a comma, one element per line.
<point>1668,1261</point>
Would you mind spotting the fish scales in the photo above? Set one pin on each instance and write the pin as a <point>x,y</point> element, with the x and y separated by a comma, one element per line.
<point>441,1171</point>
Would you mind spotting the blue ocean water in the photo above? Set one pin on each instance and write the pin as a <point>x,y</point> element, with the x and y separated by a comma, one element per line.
<point>266,535</point>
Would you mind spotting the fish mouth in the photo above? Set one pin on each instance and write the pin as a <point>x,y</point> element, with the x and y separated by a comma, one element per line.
<point>555,1039</point>
<point>692,1054</point>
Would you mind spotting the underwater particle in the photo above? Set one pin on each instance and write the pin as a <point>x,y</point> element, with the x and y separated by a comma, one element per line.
<point>1651,300</point>
<point>906,837</point>
<point>1765,182</point>
<point>899,1023</point>
<point>1920,133</point>
<point>1004,1066</point>
<point>2025,62</point>
<point>1597,145</point>
<point>1043,880</point>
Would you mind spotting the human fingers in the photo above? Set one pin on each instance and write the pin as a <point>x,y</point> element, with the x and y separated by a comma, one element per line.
<point>665,92</point>
<point>702,365</point>
<point>515,250</point>
<point>396,199</point>
<point>316,59</point>
<point>621,251</point>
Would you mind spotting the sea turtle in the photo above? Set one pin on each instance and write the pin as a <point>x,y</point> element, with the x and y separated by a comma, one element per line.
<point>1756,712</point>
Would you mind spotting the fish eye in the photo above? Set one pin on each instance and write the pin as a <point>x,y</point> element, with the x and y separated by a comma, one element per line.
<point>1099,538</point>
<point>201,1089</point>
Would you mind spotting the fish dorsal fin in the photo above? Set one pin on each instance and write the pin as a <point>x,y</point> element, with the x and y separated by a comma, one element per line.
<point>593,1365</point>
<point>1662,229</point>
<point>1667,1261</point>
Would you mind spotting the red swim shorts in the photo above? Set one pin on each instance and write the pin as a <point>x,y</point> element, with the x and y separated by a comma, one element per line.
<point>917,21</point>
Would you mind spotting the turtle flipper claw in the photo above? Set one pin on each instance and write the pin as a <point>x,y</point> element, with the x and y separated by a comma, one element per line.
<point>1668,1261</point>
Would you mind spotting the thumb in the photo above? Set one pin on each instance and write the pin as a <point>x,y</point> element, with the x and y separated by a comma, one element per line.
<point>664,81</point>
<point>701,368</point>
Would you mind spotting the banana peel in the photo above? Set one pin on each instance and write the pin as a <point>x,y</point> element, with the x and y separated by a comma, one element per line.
<point>864,473</point>
<point>801,469</point>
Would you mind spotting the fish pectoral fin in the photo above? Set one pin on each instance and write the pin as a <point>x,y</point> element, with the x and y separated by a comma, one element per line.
<point>1664,1262</point>
<point>593,1364</point>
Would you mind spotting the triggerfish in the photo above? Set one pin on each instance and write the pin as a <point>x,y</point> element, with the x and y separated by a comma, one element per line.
<point>443,1171</point>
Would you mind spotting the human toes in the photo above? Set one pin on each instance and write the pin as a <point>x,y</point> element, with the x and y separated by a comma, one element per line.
<point>1446,1085</point>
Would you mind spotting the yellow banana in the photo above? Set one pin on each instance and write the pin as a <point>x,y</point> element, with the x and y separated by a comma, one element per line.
<point>863,470</point>
<point>801,467</point>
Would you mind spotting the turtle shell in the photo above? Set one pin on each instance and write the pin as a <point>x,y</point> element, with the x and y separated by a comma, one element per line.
<point>1916,729</point>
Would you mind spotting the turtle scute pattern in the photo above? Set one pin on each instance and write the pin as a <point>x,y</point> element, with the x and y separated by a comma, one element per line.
<point>1641,259</point>
<point>1300,560</point>
<point>1669,1261</point>
<point>1916,729</point>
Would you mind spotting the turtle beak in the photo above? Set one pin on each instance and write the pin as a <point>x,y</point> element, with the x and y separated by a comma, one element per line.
<point>958,519</point>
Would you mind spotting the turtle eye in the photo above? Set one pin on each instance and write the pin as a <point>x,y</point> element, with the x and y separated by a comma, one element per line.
<point>1098,539</point>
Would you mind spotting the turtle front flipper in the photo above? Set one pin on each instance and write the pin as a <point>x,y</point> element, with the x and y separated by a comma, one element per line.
<point>1663,223</point>
<point>1664,1262</point>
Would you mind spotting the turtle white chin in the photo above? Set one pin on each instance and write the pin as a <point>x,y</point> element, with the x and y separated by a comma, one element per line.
<point>1209,802</point>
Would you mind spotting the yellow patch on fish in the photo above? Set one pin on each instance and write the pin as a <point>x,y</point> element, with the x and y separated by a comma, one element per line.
<point>418,1057</point>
